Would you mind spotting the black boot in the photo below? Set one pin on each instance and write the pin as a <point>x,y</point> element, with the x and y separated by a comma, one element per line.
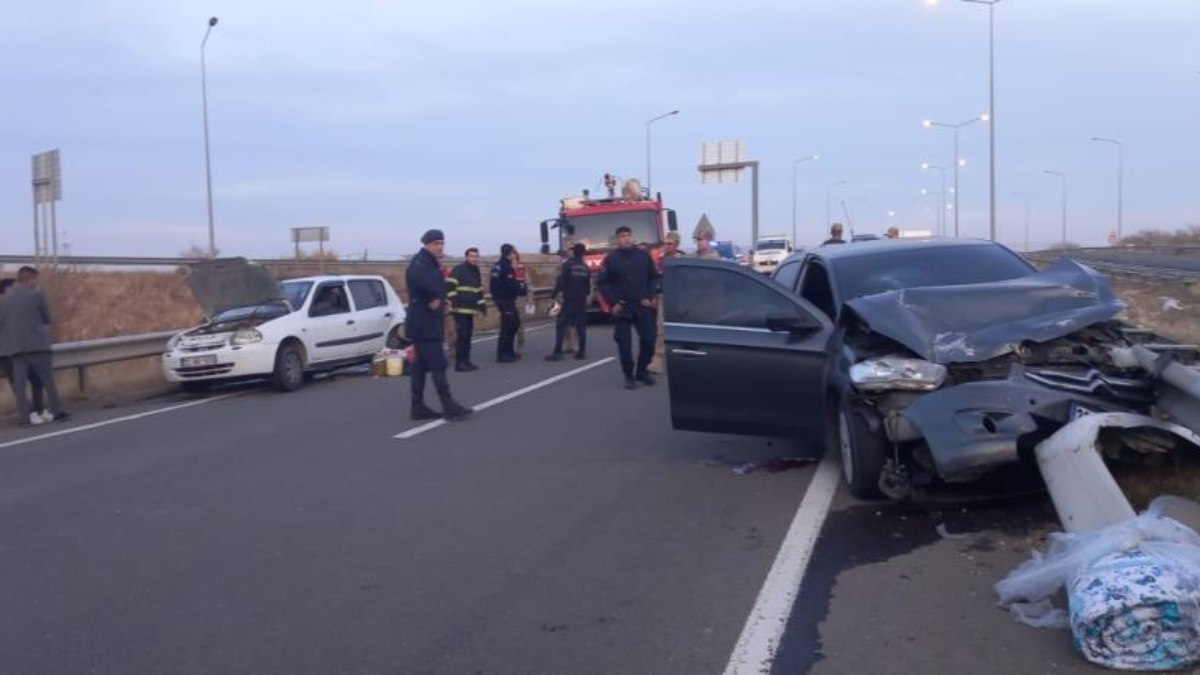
<point>422,412</point>
<point>556,356</point>
<point>456,412</point>
<point>630,383</point>
<point>462,367</point>
<point>646,378</point>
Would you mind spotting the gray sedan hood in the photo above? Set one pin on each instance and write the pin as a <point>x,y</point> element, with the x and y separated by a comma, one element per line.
<point>978,322</point>
<point>229,283</point>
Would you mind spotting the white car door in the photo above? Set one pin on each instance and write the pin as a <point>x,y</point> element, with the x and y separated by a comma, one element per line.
<point>372,313</point>
<point>331,328</point>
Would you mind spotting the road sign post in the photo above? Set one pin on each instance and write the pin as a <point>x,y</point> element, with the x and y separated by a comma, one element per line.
<point>723,162</point>
<point>47,192</point>
<point>319,235</point>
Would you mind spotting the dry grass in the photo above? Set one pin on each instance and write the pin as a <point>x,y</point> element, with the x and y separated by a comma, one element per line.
<point>1148,306</point>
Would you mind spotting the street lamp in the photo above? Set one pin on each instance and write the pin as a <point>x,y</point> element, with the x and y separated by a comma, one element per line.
<point>1120,181</point>
<point>1063,177</point>
<point>795,163</point>
<point>212,232</point>
<point>991,5</point>
<point>829,199</point>
<point>942,207</point>
<point>663,116</point>
<point>1026,198</point>
<point>958,161</point>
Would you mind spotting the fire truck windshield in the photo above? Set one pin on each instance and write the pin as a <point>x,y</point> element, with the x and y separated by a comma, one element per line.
<point>598,231</point>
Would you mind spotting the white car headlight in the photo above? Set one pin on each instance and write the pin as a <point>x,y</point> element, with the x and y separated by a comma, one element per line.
<point>895,373</point>
<point>246,336</point>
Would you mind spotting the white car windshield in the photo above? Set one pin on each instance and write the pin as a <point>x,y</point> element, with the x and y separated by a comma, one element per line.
<point>296,292</point>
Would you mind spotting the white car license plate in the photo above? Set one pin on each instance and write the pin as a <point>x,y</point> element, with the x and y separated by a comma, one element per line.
<point>199,361</point>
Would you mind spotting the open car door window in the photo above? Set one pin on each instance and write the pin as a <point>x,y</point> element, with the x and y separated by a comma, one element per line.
<point>744,354</point>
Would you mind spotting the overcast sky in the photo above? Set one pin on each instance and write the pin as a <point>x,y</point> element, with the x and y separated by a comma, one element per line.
<point>381,119</point>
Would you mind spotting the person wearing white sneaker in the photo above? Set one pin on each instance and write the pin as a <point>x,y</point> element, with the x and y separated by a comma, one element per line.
<point>25,338</point>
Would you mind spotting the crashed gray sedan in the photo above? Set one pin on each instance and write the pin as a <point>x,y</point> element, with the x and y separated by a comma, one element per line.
<point>925,362</point>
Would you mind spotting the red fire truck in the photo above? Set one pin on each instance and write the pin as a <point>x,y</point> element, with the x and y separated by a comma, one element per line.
<point>594,222</point>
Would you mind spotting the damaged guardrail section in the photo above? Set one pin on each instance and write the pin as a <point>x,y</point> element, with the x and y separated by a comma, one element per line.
<point>1132,581</point>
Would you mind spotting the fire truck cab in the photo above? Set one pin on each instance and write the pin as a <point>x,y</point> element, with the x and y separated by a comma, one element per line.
<point>594,222</point>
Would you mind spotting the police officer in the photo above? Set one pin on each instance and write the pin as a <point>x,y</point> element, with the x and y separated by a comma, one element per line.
<point>574,285</point>
<point>506,288</point>
<point>465,292</point>
<point>426,327</point>
<point>627,283</point>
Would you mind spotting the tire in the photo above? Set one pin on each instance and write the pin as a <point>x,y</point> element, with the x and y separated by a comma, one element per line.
<point>289,372</point>
<point>864,451</point>
<point>396,339</point>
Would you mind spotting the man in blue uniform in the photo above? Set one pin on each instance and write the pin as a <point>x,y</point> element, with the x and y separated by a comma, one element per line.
<point>574,285</point>
<point>628,283</point>
<point>506,288</point>
<point>425,326</point>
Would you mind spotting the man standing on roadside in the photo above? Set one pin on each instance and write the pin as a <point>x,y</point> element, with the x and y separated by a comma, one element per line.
<point>627,283</point>
<point>25,339</point>
<point>670,251</point>
<point>835,235</point>
<point>506,288</point>
<point>574,285</point>
<point>466,302</point>
<point>425,326</point>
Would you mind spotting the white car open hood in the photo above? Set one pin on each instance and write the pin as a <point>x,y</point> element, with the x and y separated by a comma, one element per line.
<point>229,283</point>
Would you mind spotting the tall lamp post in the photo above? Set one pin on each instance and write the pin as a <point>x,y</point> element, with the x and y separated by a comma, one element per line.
<point>795,163</point>
<point>1063,178</point>
<point>1120,182</point>
<point>942,206</point>
<point>212,232</point>
<point>829,200</point>
<point>649,182</point>
<point>991,5</point>
<point>1025,197</point>
<point>958,161</point>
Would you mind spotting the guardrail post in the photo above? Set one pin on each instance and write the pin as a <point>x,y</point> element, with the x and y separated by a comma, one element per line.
<point>81,373</point>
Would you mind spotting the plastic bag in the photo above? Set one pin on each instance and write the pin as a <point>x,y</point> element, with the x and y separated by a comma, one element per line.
<point>1070,554</point>
<point>531,309</point>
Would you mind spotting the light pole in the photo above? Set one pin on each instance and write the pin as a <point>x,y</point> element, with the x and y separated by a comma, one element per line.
<point>1063,177</point>
<point>958,161</point>
<point>942,206</point>
<point>991,5</point>
<point>663,116</point>
<point>212,232</point>
<point>795,163</point>
<point>1026,198</point>
<point>1120,182</point>
<point>829,200</point>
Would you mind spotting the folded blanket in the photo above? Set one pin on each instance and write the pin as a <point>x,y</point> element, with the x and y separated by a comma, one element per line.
<point>1132,610</point>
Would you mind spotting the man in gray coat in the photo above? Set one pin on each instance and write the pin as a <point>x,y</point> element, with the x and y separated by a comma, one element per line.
<point>25,338</point>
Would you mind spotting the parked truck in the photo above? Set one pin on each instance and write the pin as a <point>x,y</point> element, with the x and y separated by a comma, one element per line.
<point>769,252</point>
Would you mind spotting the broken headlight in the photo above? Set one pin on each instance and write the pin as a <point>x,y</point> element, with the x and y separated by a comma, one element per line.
<point>895,373</point>
<point>246,336</point>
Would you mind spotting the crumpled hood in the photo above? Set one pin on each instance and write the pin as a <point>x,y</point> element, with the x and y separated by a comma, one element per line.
<point>229,283</point>
<point>978,322</point>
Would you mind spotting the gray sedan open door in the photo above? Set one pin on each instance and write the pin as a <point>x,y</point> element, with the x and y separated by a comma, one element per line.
<point>744,354</point>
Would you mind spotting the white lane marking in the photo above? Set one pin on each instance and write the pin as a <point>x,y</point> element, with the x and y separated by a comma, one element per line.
<point>417,431</point>
<point>755,650</point>
<point>116,420</point>
<point>497,336</point>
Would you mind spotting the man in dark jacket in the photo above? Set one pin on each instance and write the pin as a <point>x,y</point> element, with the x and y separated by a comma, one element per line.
<point>574,285</point>
<point>425,326</point>
<point>506,288</point>
<point>466,302</point>
<point>628,283</point>
<point>25,339</point>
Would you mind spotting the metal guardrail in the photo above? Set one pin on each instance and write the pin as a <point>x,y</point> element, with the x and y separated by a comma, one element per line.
<point>1125,269</point>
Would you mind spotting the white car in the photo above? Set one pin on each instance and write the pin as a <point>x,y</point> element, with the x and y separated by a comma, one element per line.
<point>285,331</point>
<point>769,252</point>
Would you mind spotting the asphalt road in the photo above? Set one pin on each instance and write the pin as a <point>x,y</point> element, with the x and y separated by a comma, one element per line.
<point>566,530</point>
<point>1140,258</point>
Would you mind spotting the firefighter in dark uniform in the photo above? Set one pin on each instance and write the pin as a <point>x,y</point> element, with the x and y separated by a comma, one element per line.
<point>506,288</point>
<point>628,282</point>
<point>465,292</point>
<point>574,285</point>
<point>425,326</point>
